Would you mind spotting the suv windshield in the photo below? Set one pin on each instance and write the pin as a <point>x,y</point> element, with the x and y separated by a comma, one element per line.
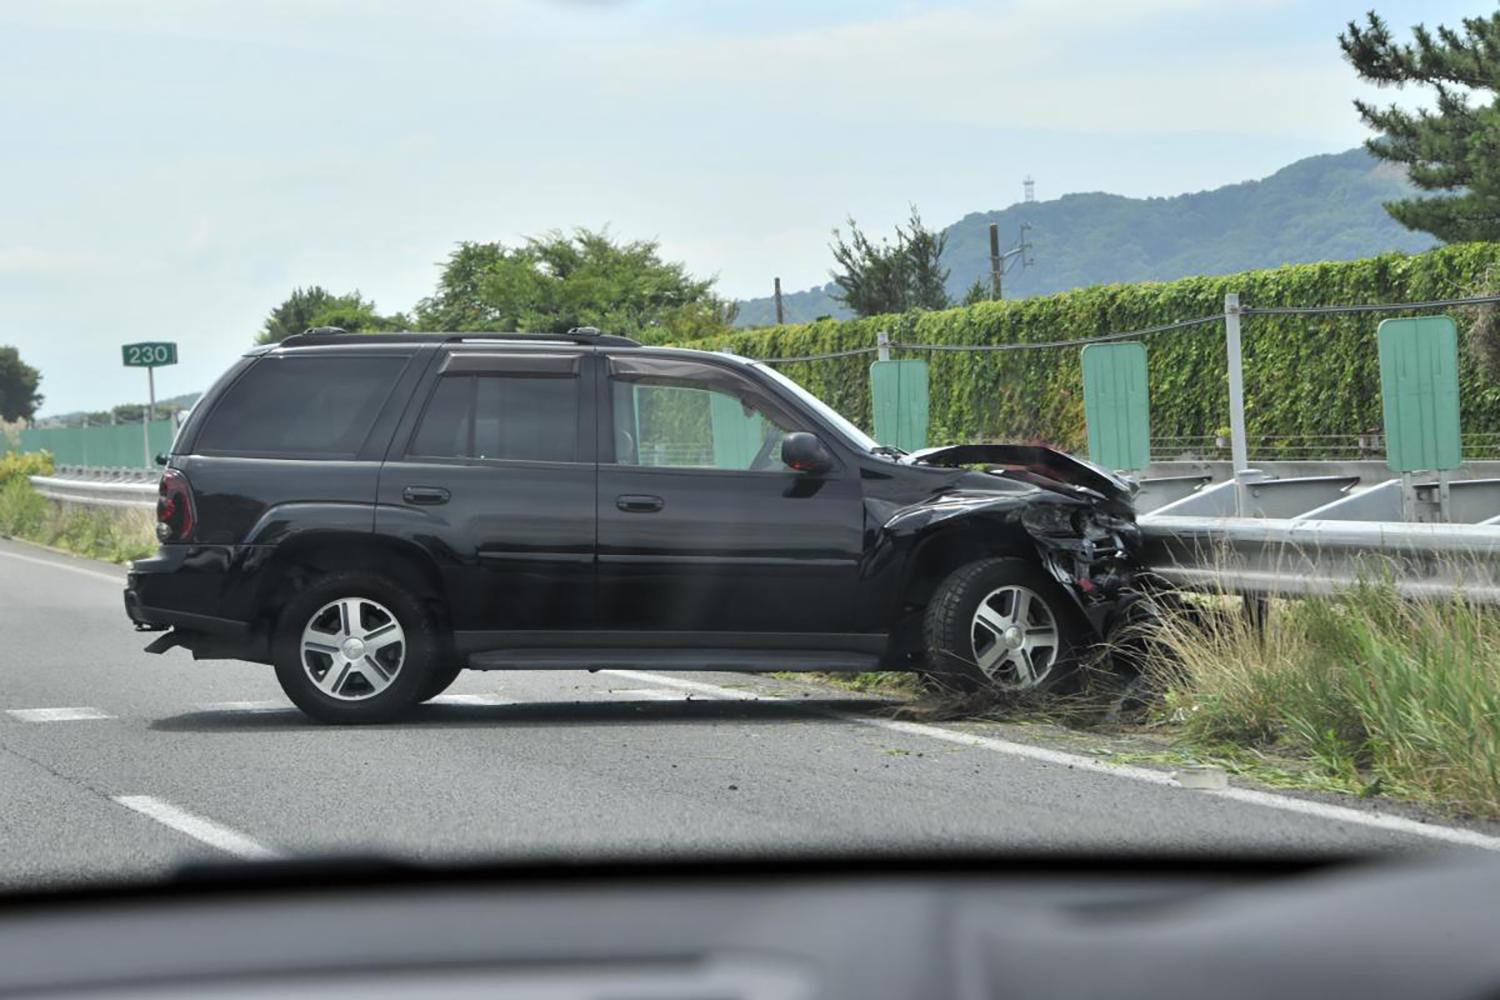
<point>851,433</point>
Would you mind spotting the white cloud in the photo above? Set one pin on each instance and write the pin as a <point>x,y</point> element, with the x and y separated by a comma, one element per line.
<point>1061,65</point>
<point>38,261</point>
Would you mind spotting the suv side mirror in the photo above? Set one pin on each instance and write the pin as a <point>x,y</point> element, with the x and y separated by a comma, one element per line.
<point>805,453</point>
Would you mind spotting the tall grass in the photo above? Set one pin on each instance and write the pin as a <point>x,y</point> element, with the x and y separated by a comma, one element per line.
<point>1400,696</point>
<point>118,534</point>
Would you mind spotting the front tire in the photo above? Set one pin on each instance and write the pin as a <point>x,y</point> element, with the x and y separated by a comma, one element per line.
<point>355,648</point>
<point>1002,624</point>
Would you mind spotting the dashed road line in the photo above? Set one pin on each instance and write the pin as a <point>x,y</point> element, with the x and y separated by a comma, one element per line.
<point>199,828</point>
<point>79,714</point>
<point>471,699</point>
<point>696,687</point>
<point>118,581</point>
<point>654,694</point>
<point>247,707</point>
<point>1270,800</point>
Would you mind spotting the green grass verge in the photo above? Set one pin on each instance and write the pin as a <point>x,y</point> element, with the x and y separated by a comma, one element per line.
<point>114,534</point>
<point>1362,692</point>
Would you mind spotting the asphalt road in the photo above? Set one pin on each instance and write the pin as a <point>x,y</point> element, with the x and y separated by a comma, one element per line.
<point>114,762</point>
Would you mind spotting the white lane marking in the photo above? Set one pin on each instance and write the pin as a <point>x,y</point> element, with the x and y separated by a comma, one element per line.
<point>247,707</point>
<point>56,714</point>
<point>657,694</point>
<point>1270,800</point>
<point>696,687</point>
<point>471,699</point>
<point>201,829</point>
<point>118,581</point>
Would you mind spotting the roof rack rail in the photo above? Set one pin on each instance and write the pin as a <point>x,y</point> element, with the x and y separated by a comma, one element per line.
<point>585,335</point>
<point>577,335</point>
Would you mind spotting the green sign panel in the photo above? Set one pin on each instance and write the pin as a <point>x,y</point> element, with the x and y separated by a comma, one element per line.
<point>150,355</point>
<point>1419,389</point>
<point>898,395</point>
<point>1117,405</point>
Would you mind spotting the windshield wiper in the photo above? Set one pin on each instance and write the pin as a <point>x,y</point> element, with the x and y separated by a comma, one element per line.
<point>885,449</point>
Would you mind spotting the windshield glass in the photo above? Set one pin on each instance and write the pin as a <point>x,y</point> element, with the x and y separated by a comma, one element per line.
<point>852,434</point>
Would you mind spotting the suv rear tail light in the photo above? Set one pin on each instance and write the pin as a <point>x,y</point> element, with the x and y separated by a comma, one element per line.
<point>174,508</point>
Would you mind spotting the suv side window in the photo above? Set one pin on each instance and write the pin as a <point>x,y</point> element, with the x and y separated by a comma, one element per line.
<point>300,406</point>
<point>503,417</point>
<point>679,414</point>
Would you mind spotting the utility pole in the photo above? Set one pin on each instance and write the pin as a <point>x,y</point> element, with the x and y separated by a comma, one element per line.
<point>996,264</point>
<point>778,302</point>
<point>1000,261</point>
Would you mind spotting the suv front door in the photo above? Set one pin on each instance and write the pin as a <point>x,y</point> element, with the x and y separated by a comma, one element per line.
<point>493,474</point>
<point>702,528</point>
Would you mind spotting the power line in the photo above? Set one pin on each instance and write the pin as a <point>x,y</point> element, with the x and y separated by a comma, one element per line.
<point>1475,300</point>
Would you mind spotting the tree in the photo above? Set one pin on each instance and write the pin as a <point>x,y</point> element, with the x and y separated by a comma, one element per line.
<point>1453,147</point>
<point>977,293</point>
<point>316,306</point>
<point>19,398</point>
<point>891,277</point>
<point>558,281</point>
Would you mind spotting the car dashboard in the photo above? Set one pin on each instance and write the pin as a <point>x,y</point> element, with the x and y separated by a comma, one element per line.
<point>699,930</point>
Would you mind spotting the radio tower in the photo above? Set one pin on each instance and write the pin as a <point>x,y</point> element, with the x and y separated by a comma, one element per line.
<point>1030,186</point>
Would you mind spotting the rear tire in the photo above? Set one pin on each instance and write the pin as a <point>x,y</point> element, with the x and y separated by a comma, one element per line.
<point>355,648</point>
<point>1003,624</point>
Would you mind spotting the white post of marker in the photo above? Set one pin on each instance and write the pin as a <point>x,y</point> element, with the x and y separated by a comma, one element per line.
<point>883,341</point>
<point>1238,447</point>
<point>150,412</point>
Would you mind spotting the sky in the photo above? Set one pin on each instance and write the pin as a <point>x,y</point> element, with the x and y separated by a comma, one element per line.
<point>171,169</point>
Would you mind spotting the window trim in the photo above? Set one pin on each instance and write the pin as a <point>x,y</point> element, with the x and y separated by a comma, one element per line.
<point>458,363</point>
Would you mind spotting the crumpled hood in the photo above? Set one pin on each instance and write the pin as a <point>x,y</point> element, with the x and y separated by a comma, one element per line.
<point>1035,464</point>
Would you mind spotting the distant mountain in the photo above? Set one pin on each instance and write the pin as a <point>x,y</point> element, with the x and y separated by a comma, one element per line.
<point>1320,208</point>
<point>183,401</point>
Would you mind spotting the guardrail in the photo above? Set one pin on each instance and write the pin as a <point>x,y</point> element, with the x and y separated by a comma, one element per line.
<point>1262,536</point>
<point>120,492</point>
<point>1293,557</point>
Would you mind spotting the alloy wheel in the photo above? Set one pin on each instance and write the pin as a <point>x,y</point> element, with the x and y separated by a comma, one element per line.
<point>352,648</point>
<point>1015,637</point>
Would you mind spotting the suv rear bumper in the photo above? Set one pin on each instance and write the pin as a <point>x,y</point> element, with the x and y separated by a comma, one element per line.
<point>150,619</point>
<point>178,588</point>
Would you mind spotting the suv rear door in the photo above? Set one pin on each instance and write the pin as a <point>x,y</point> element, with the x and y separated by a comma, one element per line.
<point>492,472</point>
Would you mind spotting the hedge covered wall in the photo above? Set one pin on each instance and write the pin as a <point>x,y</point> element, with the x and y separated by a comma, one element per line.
<point>1304,375</point>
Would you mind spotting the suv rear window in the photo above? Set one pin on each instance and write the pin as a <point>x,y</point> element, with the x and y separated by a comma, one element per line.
<point>300,406</point>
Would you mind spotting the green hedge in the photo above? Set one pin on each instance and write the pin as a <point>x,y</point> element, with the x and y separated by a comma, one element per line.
<point>1304,375</point>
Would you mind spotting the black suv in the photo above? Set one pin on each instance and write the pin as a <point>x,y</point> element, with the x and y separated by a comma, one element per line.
<point>374,513</point>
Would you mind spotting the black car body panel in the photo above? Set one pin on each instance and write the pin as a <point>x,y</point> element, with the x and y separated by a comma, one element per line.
<point>527,535</point>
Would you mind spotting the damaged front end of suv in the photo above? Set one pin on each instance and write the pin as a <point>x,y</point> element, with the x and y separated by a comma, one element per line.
<point>1037,512</point>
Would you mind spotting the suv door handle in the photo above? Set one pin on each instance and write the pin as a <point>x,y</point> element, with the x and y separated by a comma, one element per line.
<point>430,495</point>
<point>639,503</point>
